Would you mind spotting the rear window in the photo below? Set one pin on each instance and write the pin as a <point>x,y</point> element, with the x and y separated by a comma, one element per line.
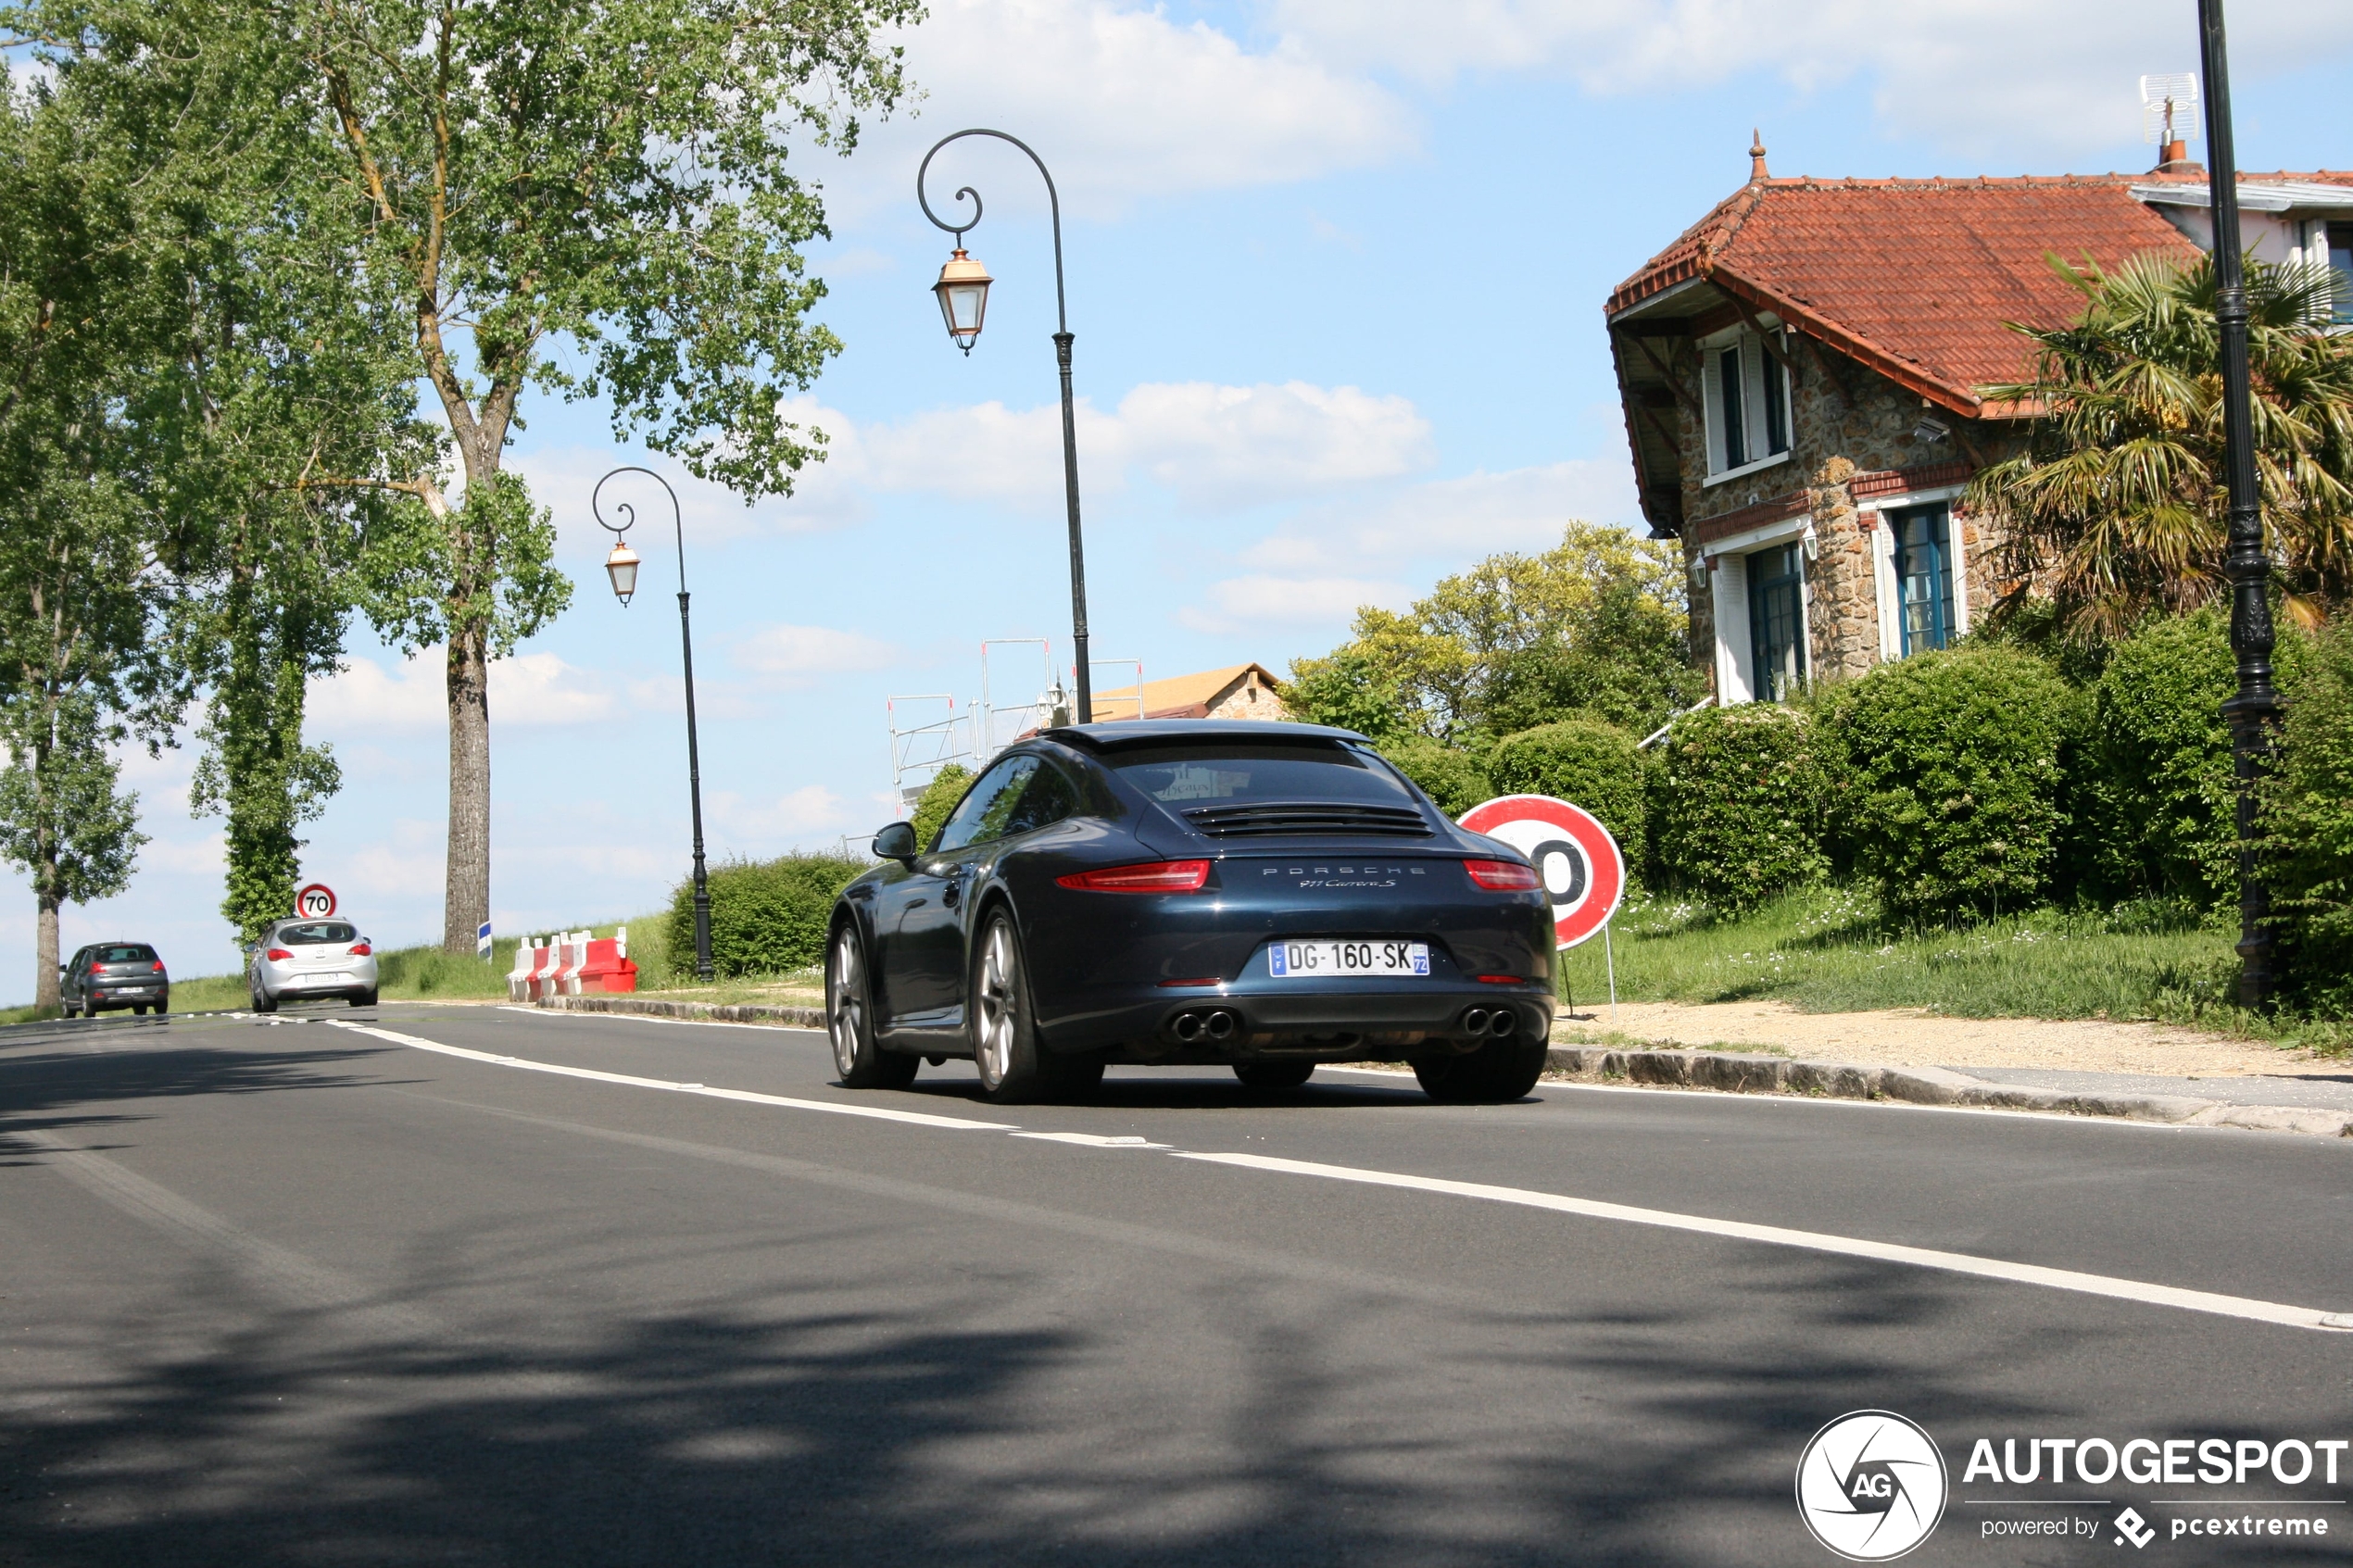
<point>1187,774</point>
<point>128,952</point>
<point>312,933</point>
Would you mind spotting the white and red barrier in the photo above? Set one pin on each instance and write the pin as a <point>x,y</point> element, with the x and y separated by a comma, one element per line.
<point>570,963</point>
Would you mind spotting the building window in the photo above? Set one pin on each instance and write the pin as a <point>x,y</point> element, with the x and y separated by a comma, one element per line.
<point>1777,621</point>
<point>1922,538</point>
<point>1747,404</point>
<point>2341,268</point>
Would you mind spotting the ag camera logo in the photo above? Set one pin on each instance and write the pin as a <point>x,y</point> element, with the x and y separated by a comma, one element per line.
<point>1871,1485</point>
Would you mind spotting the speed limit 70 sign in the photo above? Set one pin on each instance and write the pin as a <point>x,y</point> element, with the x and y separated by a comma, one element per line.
<point>1578,861</point>
<point>316,901</point>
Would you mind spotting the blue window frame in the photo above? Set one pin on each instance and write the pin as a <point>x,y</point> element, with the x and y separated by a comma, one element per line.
<point>1777,621</point>
<point>1924,575</point>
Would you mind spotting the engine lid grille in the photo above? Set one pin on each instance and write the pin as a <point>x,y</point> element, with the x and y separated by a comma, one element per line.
<point>1269,821</point>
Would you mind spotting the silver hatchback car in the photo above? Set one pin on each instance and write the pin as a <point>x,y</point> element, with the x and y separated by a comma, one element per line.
<point>300,960</point>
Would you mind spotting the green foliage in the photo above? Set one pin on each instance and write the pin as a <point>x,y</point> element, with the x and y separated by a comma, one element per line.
<point>2157,791</point>
<point>1586,763</point>
<point>60,817</point>
<point>767,917</point>
<point>2307,821</point>
<point>485,573</point>
<point>939,799</point>
<point>1738,797</point>
<point>1453,779</point>
<point>1348,689</point>
<point>1952,759</point>
<point>2117,507</point>
<point>1597,624</point>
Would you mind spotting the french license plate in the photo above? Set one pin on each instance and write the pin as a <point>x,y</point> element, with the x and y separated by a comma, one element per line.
<point>1305,961</point>
<point>336,979</point>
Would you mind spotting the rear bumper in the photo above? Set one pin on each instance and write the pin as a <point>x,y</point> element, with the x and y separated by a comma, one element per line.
<point>1335,1022</point>
<point>116,997</point>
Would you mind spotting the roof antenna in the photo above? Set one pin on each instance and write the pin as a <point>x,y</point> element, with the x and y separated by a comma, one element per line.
<point>2169,116</point>
<point>1756,156</point>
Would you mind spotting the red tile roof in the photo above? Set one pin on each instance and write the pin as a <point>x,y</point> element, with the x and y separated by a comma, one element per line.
<point>1916,278</point>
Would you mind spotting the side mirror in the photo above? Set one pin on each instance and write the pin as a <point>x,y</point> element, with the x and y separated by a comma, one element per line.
<point>897,842</point>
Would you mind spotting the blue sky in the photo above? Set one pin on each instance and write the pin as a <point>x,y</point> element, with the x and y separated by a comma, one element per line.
<point>1335,270</point>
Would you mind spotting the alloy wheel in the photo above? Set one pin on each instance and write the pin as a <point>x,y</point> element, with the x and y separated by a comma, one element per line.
<point>999,1001</point>
<point>846,1006</point>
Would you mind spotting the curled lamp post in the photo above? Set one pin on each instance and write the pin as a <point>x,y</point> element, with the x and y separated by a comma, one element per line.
<point>2254,713</point>
<point>621,567</point>
<point>963,290</point>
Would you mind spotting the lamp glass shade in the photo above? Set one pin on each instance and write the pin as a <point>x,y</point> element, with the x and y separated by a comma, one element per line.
<point>621,567</point>
<point>963,291</point>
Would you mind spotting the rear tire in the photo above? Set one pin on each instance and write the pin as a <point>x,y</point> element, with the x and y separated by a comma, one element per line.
<point>263,1001</point>
<point>1273,1074</point>
<point>365,999</point>
<point>1496,1073</point>
<point>1014,1070</point>
<point>138,1009</point>
<point>850,1020</point>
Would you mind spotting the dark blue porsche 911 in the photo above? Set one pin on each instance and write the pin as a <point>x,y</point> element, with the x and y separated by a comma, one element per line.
<point>1261,896</point>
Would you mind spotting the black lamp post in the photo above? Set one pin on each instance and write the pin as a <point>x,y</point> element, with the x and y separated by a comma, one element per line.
<point>963,290</point>
<point>621,567</point>
<point>2254,713</point>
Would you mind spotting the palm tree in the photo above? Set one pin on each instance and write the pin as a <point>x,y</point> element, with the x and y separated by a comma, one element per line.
<point>2117,507</point>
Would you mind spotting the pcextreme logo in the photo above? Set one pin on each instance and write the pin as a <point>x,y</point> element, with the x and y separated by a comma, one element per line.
<point>1871,1485</point>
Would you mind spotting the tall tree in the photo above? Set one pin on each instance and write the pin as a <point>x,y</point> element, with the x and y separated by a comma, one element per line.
<point>613,173</point>
<point>2117,507</point>
<point>84,577</point>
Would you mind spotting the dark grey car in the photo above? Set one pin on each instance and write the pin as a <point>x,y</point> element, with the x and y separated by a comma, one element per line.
<point>108,976</point>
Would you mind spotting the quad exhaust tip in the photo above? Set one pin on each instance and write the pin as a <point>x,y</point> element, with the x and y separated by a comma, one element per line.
<point>1216,1024</point>
<point>1497,1022</point>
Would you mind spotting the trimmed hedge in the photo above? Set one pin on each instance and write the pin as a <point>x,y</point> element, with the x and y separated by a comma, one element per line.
<point>1453,779</point>
<point>2155,778</point>
<point>2307,821</point>
<point>767,917</point>
<point>1736,803</point>
<point>1585,761</point>
<point>1953,764</point>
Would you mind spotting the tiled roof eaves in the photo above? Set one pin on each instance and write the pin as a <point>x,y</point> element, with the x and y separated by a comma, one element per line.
<point>1902,371</point>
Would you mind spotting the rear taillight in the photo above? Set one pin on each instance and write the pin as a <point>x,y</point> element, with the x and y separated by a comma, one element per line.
<point>1157,876</point>
<point>159,966</point>
<point>277,955</point>
<point>361,951</point>
<point>1503,876</point>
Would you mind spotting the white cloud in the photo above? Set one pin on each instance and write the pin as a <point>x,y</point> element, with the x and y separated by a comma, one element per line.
<point>1214,446</point>
<point>1243,603</point>
<point>203,856</point>
<point>1457,519</point>
<point>800,652</point>
<point>531,688</point>
<point>763,826</point>
<point>1122,102</point>
<point>1977,76</point>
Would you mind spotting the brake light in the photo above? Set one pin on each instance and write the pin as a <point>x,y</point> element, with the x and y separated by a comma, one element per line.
<point>361,951</point>
<point>1503,876</point>
<point>1204,980</point>
<point>277,955</point>
<point>1502,980</point>
<point>1157,876</point>
<point>159,966</point>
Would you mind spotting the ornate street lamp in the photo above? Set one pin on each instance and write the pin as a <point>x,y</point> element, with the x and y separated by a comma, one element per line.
<point>963,290</point>
<point>621,567</point>
<point>2254,713</point>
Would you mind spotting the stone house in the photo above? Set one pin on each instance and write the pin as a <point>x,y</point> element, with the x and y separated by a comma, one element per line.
<point>1238,691</point>
<point>1800,374</point>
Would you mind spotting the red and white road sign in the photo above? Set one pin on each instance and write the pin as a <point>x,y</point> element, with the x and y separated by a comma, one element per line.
<point>1578,859</point>
<point>316,901</point>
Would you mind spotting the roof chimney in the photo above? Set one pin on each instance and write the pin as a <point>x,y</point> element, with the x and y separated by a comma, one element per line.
<point>1757,170</point>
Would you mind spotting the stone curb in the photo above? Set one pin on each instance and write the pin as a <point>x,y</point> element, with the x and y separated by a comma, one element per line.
<point>1741,1073</point>
<point>716,1012</point>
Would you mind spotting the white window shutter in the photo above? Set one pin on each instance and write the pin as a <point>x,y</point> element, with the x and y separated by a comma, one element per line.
<point>1711,402</point>
<point>1735,680</point>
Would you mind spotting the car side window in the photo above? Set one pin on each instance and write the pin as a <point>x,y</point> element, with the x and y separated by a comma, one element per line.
<point>984,812</point>
<point>1047,799</point>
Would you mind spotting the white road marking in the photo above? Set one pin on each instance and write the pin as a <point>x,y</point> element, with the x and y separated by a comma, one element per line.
<point>1094,1140</point>
<point>1812,1241</point>
<point>878,1113</point>
<point>2241,1307</point>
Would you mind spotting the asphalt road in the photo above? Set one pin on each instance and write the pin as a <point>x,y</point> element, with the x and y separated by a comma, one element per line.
<point>281,1291</point>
